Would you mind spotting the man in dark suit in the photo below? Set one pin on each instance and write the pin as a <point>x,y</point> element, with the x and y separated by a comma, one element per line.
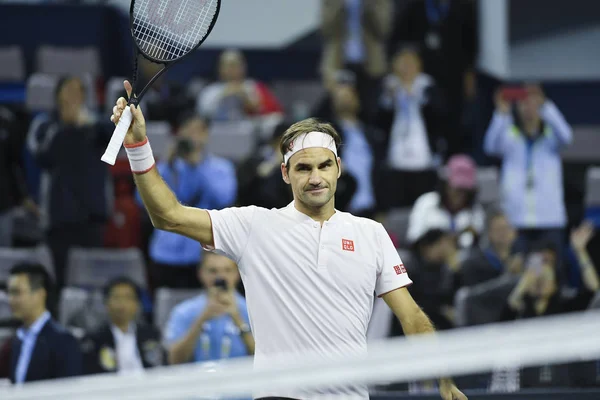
<point>123,344</point>
<point>42,349</point>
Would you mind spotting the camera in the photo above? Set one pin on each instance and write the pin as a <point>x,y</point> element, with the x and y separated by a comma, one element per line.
<point>220,283</point>
<point>184,147</point>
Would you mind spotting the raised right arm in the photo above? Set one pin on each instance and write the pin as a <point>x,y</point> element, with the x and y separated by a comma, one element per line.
<point>163,207</point>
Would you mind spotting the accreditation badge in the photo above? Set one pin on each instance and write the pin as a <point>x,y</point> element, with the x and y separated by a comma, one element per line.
<point>107,358</point>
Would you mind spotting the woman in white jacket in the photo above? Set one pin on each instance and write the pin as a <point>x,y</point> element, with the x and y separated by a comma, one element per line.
<point>454,207</point>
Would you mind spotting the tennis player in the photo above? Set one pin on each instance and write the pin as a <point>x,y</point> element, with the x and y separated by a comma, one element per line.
<point>309,270</point>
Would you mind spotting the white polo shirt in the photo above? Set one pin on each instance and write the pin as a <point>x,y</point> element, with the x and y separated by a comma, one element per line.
<point>309,288</point>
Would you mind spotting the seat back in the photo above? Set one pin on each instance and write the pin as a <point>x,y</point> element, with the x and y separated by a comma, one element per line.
<point>94,268</point>
<point>12,64</point>
<point>166,299</point>
<point>234,140</point>
<point>396,223</point>
<point>9,257</point>
<point>68,60</point>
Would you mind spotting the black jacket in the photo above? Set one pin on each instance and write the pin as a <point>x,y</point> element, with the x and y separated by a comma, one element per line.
<point>56,354</point>
<point>100,352</point>
<point>13,187</point>
<point>76,187</point>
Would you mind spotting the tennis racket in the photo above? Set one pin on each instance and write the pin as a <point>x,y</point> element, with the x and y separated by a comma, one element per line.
<point>164,32</point>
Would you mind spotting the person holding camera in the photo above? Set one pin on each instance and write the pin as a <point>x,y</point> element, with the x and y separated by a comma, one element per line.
<point>215,324</point>
<point>529,143</point>
<point>199,179</point>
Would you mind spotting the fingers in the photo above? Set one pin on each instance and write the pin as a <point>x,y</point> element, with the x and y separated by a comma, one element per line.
<point>138,116</point>
<point>127,87</point>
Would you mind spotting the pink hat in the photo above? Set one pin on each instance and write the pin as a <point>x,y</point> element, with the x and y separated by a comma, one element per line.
<point>461,172</point>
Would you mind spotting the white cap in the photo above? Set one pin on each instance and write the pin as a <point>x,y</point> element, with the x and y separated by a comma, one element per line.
<point>308,140</point>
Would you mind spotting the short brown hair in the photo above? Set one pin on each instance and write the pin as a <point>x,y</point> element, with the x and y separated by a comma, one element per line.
<point>306,126</point>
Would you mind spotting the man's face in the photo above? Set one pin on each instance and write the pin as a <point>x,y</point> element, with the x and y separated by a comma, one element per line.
<point>216,267</point>
<point>501,233</point>
<point>407,65</point>
<point>122,304</point>
<point>345,99</point>
<point>23,301</point>
<point>72,94</point>
<point>313,175</point>
<point>195,130</point>
<point>231,67</point>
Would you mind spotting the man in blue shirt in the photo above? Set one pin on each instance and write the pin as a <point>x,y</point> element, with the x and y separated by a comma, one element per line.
<point>215,324</point>
<point>199,179</point>
<point>42,349</point>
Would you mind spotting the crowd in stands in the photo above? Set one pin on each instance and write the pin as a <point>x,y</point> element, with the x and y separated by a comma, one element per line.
<point>400,92</point>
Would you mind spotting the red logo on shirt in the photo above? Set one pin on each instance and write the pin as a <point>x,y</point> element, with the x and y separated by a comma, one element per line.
<point>347,245</point>
<point>399,269</point>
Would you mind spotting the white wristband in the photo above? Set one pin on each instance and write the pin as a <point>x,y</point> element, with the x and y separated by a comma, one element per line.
<point>140,157</point>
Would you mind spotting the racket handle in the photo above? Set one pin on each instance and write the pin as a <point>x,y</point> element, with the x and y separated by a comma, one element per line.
<point>116,141</point>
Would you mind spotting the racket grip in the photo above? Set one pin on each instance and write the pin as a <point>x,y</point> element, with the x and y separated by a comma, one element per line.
<point>116,141</point>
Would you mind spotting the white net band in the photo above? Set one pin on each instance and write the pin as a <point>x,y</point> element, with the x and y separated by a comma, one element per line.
<point>525,343</point>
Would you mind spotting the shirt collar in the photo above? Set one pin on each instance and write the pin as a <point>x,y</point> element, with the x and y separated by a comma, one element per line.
<point>35,328</point>
<point>117,332</point>
<point>291,210</point>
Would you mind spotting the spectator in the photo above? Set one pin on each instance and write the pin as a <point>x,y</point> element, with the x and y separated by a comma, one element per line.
<point>412,111</point>
<point>259,178</point>
<point>453,207</point>
<point>580,238</point>
<point>234,96</point>
<point>446,31</point>
<point>355,33</point>
<point>497,257</point>
<point>76,187</point>
<point>164,100</point>
<point>199,179</point>
<point>13,188</point>
<point>538,291</point>
<point>213,325</point>
<point>363,145</point>
<point>323,109</point>
<point>42,349</point>
<point>532,180</point>
<point>436,270</point>
<point>123,344</point>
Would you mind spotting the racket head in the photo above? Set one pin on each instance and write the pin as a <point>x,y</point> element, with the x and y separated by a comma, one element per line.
<point>165,31</point>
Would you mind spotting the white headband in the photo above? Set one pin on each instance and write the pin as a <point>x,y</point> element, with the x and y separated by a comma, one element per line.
<point>308,140</point>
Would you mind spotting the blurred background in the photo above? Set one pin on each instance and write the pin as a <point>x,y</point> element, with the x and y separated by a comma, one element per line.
<point>470,130</point>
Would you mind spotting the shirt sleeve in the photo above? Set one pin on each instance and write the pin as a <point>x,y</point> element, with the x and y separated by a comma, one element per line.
<point>391,273</point>
<point>231,229</point>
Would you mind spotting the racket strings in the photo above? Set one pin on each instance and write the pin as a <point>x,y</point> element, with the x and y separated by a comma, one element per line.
<point>169,29</point>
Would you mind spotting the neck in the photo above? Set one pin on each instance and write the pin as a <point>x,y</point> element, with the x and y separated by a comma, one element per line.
<point>531,126</point>
<point>319,214</point>
<point>348,116</point>
<point>27,322</point>
<point>123,326</point>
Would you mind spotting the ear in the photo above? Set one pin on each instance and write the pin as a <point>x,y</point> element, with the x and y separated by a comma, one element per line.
<point>339,162</point>
<point>284,174</point>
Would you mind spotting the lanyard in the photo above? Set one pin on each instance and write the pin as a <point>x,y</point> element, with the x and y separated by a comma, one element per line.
<point>529,145</point>
<point>493,259</point>
<point>436,11</point>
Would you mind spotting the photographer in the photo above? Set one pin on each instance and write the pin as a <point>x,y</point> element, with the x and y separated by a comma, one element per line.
<point>198,179</point>
<point>213,325</point>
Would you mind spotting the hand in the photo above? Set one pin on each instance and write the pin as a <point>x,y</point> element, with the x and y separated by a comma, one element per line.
<point>31,207</point>
<point>580,237</point>
<point>217,305</point>
<point>137,130</point>
<point>234,88</point>
<point>514,265</point>
<point>502,105</point>
<point>448,391</point>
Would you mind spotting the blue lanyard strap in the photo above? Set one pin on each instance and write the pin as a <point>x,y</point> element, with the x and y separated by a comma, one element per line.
<point>436,11</point>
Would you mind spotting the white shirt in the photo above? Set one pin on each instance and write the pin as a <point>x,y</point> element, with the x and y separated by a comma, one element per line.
<point>427,214</point>
<point>309,288</point>
<point>128,357</point>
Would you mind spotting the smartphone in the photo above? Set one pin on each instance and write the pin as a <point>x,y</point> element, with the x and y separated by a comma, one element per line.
<point>220,283</point>
<point>535,261</point>
<point>514,93</point>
